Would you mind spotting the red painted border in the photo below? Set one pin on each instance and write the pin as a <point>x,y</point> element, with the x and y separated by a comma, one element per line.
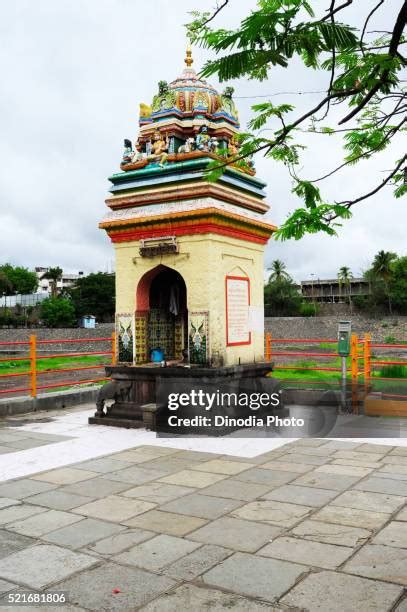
<point>244,278</point>
<point>185,230</point>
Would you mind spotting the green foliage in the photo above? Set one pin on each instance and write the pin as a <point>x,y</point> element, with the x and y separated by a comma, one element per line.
<point>57,312</point>
<point>308,309</point>
<point>94,295</point>
<point>281,298</point>
<point>363,83</point>
<point>16,279</point>
<point>390,340</point>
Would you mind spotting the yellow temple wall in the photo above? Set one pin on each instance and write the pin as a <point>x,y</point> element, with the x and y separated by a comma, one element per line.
<point>203,261</point>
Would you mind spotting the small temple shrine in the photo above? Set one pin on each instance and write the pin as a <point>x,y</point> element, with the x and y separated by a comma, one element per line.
<point>189,251</point>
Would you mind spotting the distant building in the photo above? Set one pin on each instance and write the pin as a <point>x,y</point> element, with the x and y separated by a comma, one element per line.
<point>66,281</point>
<point>31,299</point>
<point>331,290</point>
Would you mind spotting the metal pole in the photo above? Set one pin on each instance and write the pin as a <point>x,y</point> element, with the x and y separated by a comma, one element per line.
<point>33,365</point>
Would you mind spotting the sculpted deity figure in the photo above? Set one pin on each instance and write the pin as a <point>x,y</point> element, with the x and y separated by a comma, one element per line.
<point>164,99</point>
<point>138,153</point>
<point>128,151</point>
<point>227,103</point>
<point>159,148</point>
<point>202,139</point>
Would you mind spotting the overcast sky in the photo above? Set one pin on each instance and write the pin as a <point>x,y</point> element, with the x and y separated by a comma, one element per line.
<point>73,75</point>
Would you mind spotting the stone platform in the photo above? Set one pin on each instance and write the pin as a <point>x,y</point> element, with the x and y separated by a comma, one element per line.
<point>314,525</point>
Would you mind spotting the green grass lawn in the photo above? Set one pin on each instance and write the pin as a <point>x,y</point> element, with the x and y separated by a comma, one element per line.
<point>12,367</point>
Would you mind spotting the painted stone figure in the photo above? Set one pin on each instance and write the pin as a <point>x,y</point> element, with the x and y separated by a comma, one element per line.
<point>202,139</point>
<point>164,99</point>
<point>128,151</point>
<point>159,148</point>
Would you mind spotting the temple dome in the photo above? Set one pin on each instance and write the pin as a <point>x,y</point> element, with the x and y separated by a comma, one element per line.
<point>190,96</point>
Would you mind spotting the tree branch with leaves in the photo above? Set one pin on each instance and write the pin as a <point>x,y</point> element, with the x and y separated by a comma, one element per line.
<point>363,78</point>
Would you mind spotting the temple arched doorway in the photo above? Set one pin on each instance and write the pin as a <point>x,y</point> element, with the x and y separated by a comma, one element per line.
<point>161,314</point>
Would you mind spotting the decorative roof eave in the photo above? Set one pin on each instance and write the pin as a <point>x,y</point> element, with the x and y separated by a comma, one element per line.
<point>187,191</point>
<point>214,215</point>
<point>193,121</point>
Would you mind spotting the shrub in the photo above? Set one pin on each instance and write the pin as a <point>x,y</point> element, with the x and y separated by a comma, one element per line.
<point>308,310</point>
<point>57,312</point>
<point>390,340</point>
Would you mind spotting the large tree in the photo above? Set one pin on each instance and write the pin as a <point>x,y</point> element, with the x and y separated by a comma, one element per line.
<point>53,275</point>
<point>16,279</point>
<point>382,269</point>
<point>363,101</point>
<point>94,295</point>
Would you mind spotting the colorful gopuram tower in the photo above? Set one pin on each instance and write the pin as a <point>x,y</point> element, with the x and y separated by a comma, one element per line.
<point>189,252</point>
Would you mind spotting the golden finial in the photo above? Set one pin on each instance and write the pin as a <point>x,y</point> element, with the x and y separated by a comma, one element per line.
<point>188,60</point>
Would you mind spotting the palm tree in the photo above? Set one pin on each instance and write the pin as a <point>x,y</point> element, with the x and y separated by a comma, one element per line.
<point>382,268</point>
<point>53,275</point>
<point>278,271</point>
<point>344,277</point>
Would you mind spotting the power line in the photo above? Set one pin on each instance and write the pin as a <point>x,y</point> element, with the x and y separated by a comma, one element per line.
<point>281,93</point>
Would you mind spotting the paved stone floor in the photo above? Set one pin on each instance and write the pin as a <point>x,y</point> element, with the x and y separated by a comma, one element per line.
<point>316,525</point>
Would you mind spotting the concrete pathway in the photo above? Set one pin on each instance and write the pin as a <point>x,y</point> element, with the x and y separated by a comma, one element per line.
<point>316,525</point>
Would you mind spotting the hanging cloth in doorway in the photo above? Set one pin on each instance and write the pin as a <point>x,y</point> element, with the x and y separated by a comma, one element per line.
<point>174,300</point>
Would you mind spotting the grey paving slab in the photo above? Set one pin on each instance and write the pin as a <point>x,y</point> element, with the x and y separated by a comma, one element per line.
<point>197,562</point>
<point>333,592</point>
<point>38,566</point>
<point>5,502</point>
<point>136,475</point>
<point>166,522</point>
<point>270,478</point>
<point>223,466</point>
<point>366,500</point>
<point>157,492</point>
<point>58,500</point>
<point>82,533</point>
<point>402,515</point>
<point>394,534</point>
<point>273,512</point>
<point>254,576</point>
<point>237,489</point>
<point>343,470</point>
<point>236,533</point>
<point>307,552</point>
<point>114,508</point>
<point>193,597</point>
<point>14,513</point>
<point>19,489</point>
<point>388,469</point>
<point>6,586</point>
<point>193,478</point>
<point>380,562</point>
<point>65,475</point>
<point>156,553</point>
<point>322,480</point>
<point>202,506</point>
<point>93,588</point>
<point>351,517</point>
<point>319,451</point>
<point>362,462</point>
<point>304,442</point>
<point>142,454</point>
<point>395,459</point>
<point>375,448</point>
<point>382,485</point>
<point>39,524</point>
<point>25,443</point>
<point>298,457</point>
<point>342,445</point>
<point>168,465</point>
<point>402,606</point>
<point>11,542</point>
<point>97,487</point>
<point>306,496</point>
<point>104,465</point>
<point>399,450</point>
<point>196,455</point>
<point>355,455</point>
<point>115,544</point>
<point>6,449</point>
<point>329,533</point>
<point>278,466</point>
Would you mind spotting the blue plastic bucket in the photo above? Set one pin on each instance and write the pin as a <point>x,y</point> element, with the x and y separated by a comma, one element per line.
<point>157,355</point>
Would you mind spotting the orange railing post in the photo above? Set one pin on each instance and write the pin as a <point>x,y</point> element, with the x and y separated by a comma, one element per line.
<point>354,369</point>
<point>33,365</point>
<point>114,349</point>
<point>367,356</point>
<point>268,346</point>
